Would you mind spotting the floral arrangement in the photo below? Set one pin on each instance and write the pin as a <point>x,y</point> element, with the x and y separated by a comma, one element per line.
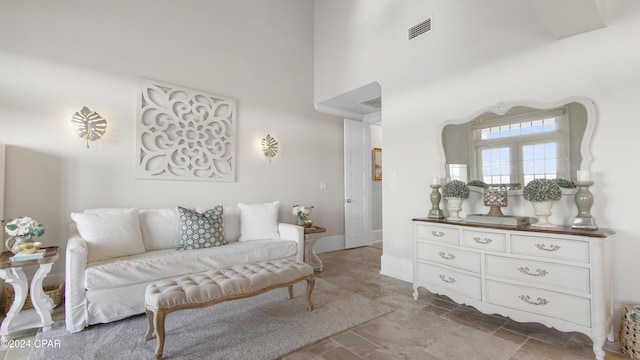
<point>478,183</point>
<point>24,227</point>
<point>542,190</point>
<point>456,189</point>
<point>564,183</point>
<point>301,211</point>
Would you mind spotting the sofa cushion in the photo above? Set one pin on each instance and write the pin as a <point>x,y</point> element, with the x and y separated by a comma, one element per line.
<point>231,221</point>
<point>201,230</point>
<point>259,221</point>
<point>110,234</point>
<point>160,228</point>
<point>163,264</point>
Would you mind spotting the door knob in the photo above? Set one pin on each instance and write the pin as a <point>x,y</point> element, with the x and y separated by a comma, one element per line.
<point>348,201</point>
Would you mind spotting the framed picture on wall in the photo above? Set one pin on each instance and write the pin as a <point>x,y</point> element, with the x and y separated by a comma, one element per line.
<point>377,164</point>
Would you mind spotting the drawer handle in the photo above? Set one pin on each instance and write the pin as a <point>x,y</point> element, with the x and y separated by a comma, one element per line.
<point>450,280</point>
<point>544,247</point>
<point>540,302</point>
<point>481,241</point>
<point>525,270</point>
<point>437,233</point>
<point>449,256</point>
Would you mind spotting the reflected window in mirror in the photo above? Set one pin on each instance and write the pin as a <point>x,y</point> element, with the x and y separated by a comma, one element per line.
<point>520,148</point>
<point>458,172</point>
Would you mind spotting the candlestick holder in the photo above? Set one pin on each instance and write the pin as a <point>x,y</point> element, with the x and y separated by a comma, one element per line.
<point>436,212</point>
<point>584,201</point>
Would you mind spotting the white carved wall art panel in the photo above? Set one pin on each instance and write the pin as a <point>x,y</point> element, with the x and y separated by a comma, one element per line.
<point>185,134</point>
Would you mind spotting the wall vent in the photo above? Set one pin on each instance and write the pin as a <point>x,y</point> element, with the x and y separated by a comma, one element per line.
<point>374,103</point>
<point>420,29</point>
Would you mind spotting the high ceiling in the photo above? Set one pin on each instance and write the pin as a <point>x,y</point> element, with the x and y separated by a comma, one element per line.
<point>570,17</point>
<point>563,18</point>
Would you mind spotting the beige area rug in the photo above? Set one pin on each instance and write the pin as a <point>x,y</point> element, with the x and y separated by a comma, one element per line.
<point>267,326</point>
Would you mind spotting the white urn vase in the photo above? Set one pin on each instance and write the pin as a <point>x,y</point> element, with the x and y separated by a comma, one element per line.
<point>542,210</point>
<point>454,206</point>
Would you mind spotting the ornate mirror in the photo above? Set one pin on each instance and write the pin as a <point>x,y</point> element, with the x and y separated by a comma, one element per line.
<point>513,142</point>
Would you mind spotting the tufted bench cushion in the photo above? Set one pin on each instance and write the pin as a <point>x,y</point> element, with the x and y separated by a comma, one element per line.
<point>215,286</point>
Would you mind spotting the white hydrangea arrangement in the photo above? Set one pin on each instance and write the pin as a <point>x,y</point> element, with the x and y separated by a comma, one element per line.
<point>542,190</point>
<point>455,189</point>
<point>24,227</point>
<point>301,211</point>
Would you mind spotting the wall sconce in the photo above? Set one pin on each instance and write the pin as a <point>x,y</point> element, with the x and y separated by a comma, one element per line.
<point>89,124</point>
<point>269,147</point>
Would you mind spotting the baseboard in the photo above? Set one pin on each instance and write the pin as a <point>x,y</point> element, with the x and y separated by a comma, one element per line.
<point>397,267</point>
<point>376,236</point>
<point>617,319</point>
<point>329,243</point>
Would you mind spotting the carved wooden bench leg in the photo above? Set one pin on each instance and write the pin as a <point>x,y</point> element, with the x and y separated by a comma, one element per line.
<point>311,282</point>
<point>158,321</point>
<point>151,327</point>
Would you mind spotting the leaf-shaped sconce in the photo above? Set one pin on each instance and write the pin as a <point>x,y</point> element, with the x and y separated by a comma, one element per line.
<point>89,124</point>
<point>269,147</point>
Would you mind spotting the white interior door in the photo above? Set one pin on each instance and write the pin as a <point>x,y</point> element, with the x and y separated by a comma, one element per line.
<point>357,186</point>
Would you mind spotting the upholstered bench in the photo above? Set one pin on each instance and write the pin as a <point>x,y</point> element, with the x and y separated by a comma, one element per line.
<point>215,286</point>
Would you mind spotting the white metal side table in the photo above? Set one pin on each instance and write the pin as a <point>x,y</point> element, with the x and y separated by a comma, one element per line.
<point>18,320</point>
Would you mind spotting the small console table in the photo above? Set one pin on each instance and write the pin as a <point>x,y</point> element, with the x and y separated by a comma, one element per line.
<point>559,277</point>
<point>310,257</point>
<point>16,319</point>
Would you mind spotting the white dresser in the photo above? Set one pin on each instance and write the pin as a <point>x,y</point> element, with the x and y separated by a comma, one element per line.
<point>558,277</point>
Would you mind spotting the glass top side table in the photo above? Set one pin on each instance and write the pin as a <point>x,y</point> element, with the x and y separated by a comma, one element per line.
<point>17,319</point>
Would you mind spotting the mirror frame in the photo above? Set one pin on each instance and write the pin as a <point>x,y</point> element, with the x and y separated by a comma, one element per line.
<point>502,108</point>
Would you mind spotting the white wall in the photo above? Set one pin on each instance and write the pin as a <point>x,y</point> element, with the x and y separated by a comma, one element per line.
<point>479,54</point>
<point>57,57</point>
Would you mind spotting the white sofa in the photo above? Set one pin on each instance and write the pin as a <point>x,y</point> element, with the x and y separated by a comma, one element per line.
<point>121,251</point>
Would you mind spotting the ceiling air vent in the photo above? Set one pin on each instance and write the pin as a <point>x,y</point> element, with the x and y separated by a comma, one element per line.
<point>374,103</point>
<point>420,29</point>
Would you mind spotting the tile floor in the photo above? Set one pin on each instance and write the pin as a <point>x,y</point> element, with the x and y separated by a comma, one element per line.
<point>430,328</point>
<point>433,327</point>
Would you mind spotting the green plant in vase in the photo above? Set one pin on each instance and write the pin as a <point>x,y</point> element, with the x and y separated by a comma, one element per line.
<point>455,192</point>
<point>542,193</point>
<point>565,184</point>
<point>477,183</point>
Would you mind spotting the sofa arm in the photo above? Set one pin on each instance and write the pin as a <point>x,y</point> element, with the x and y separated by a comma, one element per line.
<point>293,232</point>
<point>76,316</point>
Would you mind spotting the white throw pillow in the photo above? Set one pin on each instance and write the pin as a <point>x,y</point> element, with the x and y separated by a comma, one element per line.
<point>231,219</point>
<point>110,234</point>
<point>259,221</point>
<point>160,228</point>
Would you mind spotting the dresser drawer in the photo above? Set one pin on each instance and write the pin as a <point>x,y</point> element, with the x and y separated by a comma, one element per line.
<point>436,233</point>
<point>537,301</point>
<point>463,259</point>
<point>484,240</point>
<point>544,274</point>
<point>565,249</point>
<point>448,279</point>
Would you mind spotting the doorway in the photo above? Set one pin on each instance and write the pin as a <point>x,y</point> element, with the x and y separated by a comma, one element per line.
<point>361,111</point>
